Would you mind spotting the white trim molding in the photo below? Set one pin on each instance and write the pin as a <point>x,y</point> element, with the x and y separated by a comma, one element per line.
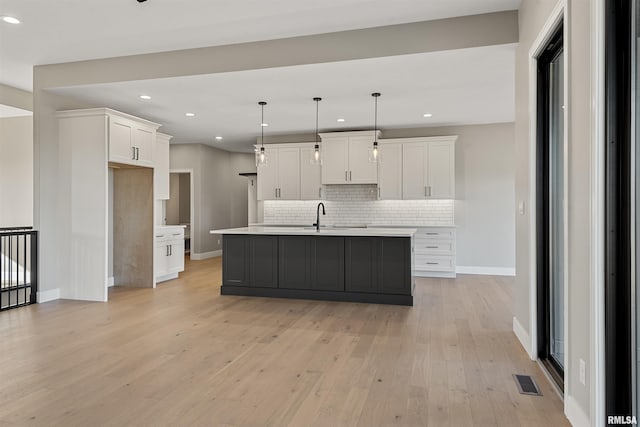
<point>206,255</point>
<point>523,337</point>
<point>486,271</point>
<point>46,296</point>
<point>574,413</point>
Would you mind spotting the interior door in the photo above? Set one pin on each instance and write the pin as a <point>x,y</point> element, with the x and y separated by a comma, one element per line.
<point>440,170</point>
<point>361,170</point>
<point>289,173</point>
<point>414,170</point>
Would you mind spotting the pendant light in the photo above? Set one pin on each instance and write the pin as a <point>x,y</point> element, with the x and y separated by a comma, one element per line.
<point>374,155</point>
<point>316,158</point>
<point>261,155</point>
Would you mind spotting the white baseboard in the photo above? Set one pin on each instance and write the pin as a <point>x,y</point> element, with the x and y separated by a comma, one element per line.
<point>46,296</point>
<point>576,415</point>
<point>206,255</point>
<point>486,271</point>
<point>110,282</point>
<point>523,337</point>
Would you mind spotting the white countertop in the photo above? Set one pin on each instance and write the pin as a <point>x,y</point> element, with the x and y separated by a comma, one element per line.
<point>164,227</point>
<point>360,225</point>
<point>311,231</point>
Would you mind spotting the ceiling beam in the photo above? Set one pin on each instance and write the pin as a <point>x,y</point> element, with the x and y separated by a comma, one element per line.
<point>419,37</point>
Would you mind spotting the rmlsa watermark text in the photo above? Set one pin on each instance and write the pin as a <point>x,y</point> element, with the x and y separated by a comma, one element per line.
<point>622,420</point>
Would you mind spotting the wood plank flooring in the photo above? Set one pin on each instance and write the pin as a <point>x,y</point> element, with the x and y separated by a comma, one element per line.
<point>183,355</point>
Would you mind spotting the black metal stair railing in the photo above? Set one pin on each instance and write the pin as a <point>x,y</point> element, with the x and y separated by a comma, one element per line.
<point>18,267</point>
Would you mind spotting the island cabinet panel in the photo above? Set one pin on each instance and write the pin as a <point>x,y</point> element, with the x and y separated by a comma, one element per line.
<point>327,263</point>
<point>361,254</point>
<point>263,262</point>
<point>394,255</point>
<point>250,261</point>
<point>295,262</point>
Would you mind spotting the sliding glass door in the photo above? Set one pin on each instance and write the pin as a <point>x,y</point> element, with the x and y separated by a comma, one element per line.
<point>550,206</point>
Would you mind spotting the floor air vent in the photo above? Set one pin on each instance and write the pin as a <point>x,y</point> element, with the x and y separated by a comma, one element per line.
<point>527,385</point>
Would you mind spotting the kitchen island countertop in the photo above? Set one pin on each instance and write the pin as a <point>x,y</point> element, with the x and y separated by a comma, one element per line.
<point>311,231</point>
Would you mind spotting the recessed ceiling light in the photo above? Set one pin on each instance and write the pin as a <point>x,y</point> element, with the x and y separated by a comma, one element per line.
<point>218,138</point>
<point>10,20</point>
<point>145,97</point>
<point>340,120</point>
<point>264,124</point>
<point>190,114</point>
<point>427,115</point>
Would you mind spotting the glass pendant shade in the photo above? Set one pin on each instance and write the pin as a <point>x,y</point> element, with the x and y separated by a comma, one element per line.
<point>261,154</point>
<point>374,151</point>
<point>316,155</point>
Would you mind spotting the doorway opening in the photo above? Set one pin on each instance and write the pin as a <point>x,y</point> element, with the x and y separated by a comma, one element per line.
<point>179,206</point>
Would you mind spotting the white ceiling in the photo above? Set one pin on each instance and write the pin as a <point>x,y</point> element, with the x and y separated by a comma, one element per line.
<point>468,86</point>
<point>54,31</point>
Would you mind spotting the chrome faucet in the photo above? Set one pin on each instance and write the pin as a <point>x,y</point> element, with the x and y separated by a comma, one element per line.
<point>317,224</point>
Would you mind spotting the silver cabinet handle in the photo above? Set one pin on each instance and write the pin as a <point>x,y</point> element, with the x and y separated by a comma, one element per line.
<point>429,187</point>
<point>133,155</point>
<point>425,191</point>
<point>167,250</point>
<point>137,153</point>
<point>276,190</point>
<point>279,193</point>
<point>320,192</point>
<point>432,263</point>
<point>378,192</point>
<point>431,247</point>
<point>346,177</point>
<point>170,250</point>
<point>431,234</point>
<point>349,175</point>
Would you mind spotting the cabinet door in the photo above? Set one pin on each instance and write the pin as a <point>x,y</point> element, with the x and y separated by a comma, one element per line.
<point>161,169</point>
<point>268,176</point>
<point>327,263</point>
<point>414,170</point>
<point>394,265</point>
<point>390,172</point>
<point>335,155</point>
<point>441,170</point>
<point>361,170</point>
<point>310,176</point>
<point>160,259</point>
<point>235,260</point>
<point>263,262</point>
<point>361,269</point>
<point>121,141</point>
<point>294,262</point>
<point>175,260</point>
<point>288,174</point>
<point>144,140</point>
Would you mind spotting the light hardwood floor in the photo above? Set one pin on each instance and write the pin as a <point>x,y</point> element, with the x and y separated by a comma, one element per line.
<point>184,355</point>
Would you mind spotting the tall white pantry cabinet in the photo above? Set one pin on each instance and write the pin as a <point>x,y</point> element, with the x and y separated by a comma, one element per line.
<point>92,142</point>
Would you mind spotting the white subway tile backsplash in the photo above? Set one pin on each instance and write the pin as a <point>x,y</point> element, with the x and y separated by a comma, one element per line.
<point>357,204</point>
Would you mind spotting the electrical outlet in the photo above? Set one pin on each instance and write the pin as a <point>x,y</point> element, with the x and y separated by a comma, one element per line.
<point>583,372</point>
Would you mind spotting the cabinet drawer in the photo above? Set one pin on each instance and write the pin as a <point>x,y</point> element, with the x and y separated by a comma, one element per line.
<point>435,233</point>
<point>434,263</point>
<point>426,246</point>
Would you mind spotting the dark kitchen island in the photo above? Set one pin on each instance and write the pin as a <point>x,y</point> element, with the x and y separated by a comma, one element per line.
<point>370,265</point>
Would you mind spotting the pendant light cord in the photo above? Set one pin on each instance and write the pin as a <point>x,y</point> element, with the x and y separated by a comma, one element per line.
<point>317,105</point>
<point>262,126</point>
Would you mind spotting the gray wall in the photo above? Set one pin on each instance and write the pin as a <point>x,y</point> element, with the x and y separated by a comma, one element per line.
<point>220,195</point>
<point>16,171</point>
<point>184,204</point>
<point>485,193</point>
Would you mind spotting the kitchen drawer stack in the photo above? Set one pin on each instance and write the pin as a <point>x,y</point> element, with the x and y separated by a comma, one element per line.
<point>435,252</point>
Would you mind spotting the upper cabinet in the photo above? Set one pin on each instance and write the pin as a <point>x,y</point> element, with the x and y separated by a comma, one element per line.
<point>279,177</point>
<point>161,169</point>
<point>131,140</point>
<point>428,168</point>
<point>390,171</point>
<point>345,158</point>
<point>310,175</point>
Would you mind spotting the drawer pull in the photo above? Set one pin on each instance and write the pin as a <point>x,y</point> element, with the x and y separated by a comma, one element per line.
<point>176,234</point>
<point>432,263</point>
<point>431,247</point>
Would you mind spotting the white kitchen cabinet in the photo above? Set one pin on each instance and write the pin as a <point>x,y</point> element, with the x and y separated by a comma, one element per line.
<point>435,252</point>
<point>428,168</point>
<point>310,175</point>
<point>390,172</point>
<point>279,178</point>
<point>345,158</point>
<point>169,252</point>
<point>161,169</point>
<point>131,140</point>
